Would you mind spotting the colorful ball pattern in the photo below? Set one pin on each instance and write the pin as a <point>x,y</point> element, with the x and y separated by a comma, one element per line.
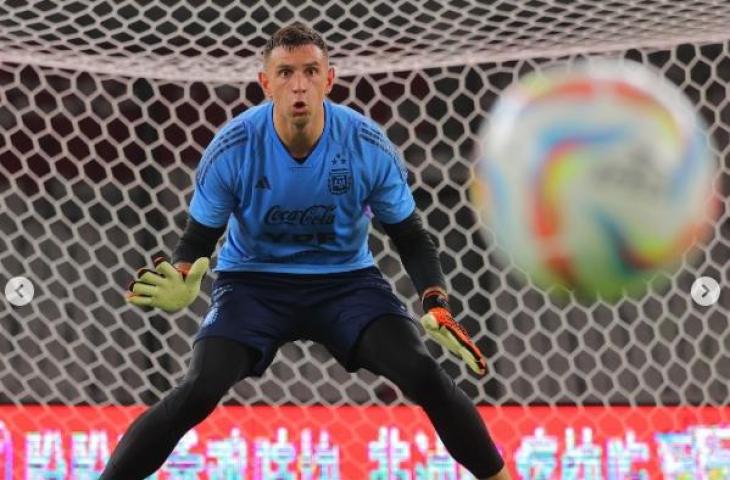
<point>594,176</point>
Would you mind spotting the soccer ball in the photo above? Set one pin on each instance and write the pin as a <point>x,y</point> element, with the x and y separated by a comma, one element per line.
<point>594,176</point>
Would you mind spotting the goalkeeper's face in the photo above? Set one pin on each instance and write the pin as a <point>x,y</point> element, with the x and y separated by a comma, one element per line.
<point>297,80</point>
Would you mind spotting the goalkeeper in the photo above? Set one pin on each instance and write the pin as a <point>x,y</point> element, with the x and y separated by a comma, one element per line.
<point>294,182</point>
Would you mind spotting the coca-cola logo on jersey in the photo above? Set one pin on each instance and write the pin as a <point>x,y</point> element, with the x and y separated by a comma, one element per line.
<point>313,215</point>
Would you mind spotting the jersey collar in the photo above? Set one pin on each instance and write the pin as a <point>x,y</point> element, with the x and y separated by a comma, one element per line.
<point>315,153</point>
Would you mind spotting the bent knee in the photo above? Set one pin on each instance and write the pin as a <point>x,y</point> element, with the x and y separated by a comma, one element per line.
<point>423,380</point>
<point>194,399</point>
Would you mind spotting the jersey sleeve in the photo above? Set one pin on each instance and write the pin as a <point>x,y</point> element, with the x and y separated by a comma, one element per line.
<point>391,199</point>
<point>215,179</point>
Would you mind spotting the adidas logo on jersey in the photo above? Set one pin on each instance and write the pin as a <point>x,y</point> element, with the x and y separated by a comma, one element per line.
<point>263,182</point>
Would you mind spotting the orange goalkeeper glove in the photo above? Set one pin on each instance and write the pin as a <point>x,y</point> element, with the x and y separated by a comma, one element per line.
<point>439,323</point>
<point>166,287</point>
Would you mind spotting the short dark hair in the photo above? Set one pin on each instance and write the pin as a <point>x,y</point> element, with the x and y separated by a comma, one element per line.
<point>294,35</point>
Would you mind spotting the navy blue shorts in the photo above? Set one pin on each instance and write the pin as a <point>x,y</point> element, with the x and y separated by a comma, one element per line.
<point>266,310</point>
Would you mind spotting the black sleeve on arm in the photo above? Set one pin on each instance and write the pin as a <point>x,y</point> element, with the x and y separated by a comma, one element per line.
<point>197,241</point>
<point>417,252</point>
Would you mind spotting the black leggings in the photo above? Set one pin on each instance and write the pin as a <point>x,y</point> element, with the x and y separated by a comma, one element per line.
<point>390,346</point>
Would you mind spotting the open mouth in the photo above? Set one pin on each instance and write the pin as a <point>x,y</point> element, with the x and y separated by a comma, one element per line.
<point>300,108</point>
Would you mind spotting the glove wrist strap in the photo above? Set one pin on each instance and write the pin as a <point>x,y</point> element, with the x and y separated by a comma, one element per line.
<point>435,297</point>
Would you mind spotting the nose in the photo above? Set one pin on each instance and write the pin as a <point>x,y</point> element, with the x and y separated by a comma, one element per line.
<point>299,84</point>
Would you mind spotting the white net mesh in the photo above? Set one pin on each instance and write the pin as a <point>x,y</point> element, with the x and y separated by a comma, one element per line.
<point>105,108</point>
<point>215,40</point>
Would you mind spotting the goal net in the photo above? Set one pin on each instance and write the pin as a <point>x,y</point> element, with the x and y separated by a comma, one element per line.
<point>105,108</point>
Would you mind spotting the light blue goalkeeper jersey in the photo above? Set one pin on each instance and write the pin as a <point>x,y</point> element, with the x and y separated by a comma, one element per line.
<point>288,217</point>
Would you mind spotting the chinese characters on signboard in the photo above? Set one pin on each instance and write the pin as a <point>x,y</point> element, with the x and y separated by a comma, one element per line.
<point>386,452</point>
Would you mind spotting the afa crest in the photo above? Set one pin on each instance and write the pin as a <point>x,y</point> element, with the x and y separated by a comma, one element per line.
<point>340,179</point>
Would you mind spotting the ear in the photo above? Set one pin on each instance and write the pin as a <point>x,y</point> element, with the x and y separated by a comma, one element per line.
<point>264,82</point>
<point>330,79</point>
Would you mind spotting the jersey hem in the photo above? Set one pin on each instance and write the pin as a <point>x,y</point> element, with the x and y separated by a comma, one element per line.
<point>290,268</point>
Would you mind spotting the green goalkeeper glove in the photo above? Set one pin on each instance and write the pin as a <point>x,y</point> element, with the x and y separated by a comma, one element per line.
<point>439,323</point>
<point>166,287</point>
